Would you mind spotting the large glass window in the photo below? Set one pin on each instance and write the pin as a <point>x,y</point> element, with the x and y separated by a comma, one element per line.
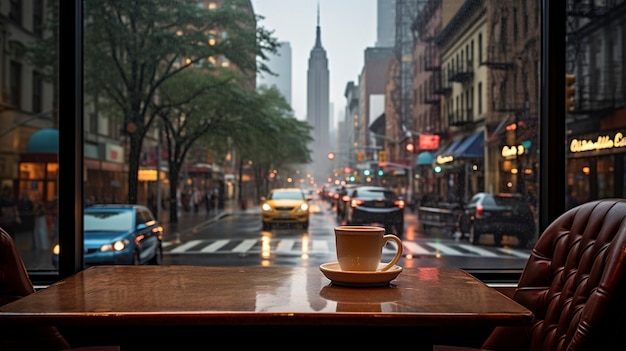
<point>198,126</point>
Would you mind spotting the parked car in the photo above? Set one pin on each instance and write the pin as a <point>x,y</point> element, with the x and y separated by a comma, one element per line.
<point>499,214</point>
<point>119,234</point>
<point>376,204</point>
<point>343,200</point>
<point>287,206</point>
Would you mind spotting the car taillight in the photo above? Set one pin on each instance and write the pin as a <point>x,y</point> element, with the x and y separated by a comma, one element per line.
<point>345,198</point>
<point>399,203</point>
<point>479,211</point>
<point>355,203</point>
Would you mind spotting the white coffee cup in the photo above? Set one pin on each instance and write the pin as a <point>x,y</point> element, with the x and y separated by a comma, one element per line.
<point>360,248</point>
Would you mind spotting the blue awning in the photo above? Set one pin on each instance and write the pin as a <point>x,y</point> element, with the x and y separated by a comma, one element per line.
<point>43,141</point>
<point>424,159</point>
<point>472,147</point>
<point>450,149</point>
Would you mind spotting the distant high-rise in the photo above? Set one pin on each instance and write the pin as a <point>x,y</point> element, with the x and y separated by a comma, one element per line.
<point>386,23</point>
<point>280,64</point>
<point>318,107</point>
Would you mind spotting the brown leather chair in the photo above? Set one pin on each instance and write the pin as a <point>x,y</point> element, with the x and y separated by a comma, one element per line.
<point>575,284</point>
<point>15,284</point>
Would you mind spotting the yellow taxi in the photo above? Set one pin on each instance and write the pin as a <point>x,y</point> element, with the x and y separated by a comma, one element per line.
<point>288,206</point>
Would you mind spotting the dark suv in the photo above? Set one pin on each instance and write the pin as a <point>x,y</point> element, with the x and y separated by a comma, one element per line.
<point>376,204</point>
<point>499,214</point>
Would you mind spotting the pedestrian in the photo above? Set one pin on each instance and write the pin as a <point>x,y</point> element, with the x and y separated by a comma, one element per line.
<point>207,200</point>
<point>41,240</point>
<point>196,198</point>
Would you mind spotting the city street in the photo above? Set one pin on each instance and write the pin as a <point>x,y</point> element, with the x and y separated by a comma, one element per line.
<point>235,237</point>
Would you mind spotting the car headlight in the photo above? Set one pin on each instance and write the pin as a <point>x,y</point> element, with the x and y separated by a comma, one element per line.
<point>118,245</point>
<point>304,207</point>
<point>266,207</point>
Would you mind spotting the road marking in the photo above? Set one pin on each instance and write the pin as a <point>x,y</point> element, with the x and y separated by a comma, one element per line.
<point>444,249</point>
<point>184,247</point>
<point>245,245</point>
<point>294,246</point>
<point>320,246</point>
<point>414,248</point>
<point>285,245</point>
<point>218,244</point>
<point>478,250</point>
<point>513,252</point>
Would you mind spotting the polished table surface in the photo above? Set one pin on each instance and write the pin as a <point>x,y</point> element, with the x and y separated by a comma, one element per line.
<point>198,295</point>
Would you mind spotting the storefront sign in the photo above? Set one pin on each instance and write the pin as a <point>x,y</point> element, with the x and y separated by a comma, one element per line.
<point>429,142</point>
<point>114,153</point>
<point>602,142</point>
<point>512,151</point>
<point>444,159</point>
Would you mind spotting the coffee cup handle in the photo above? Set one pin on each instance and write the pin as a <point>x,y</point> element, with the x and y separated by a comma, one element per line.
<point>395,260</point>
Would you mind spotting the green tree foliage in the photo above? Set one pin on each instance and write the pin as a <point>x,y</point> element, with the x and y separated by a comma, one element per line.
<point>270,136</point>
<point>132,47</point>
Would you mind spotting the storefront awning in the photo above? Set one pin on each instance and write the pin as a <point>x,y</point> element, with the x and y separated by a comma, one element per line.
<point>450,149</point>
<point>425,158</point>
<point>471,147</point>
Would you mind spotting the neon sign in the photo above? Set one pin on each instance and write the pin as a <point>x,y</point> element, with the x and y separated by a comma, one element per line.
<point>603,142</point>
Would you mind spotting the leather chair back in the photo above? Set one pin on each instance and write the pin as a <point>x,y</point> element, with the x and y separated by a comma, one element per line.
<point>14,280</point>
<point>575,284</point>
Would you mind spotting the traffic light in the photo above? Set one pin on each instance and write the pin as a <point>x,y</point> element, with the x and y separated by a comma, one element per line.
<point>409,147</point>
<point>380,172</point>
<point>360,156</point>
<point>366,172</point>
<point>382,156</point>
<point>570,91</point>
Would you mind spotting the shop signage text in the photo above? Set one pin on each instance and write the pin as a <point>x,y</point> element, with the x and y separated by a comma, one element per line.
<point>512,151</point>
<point>601,143</point>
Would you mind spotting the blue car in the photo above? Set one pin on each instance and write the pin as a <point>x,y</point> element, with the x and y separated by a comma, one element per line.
<point>119,234</point>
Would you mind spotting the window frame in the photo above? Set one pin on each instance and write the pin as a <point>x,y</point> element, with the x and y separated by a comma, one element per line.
<point>552,137</point>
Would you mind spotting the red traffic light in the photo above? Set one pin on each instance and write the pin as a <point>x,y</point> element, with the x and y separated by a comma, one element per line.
<point>410,147</point>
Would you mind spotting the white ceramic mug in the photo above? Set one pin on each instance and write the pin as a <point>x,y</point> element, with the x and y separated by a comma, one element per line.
<point>360,248</point>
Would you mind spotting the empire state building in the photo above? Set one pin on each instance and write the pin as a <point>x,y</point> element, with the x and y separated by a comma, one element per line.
<point>318,107</point>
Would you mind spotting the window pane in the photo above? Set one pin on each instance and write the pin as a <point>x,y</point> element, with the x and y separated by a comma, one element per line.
<point>437,103</point>
<point>595,95</point>
<point>29,129</point>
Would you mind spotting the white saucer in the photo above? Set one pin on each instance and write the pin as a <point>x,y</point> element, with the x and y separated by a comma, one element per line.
<point>333,272</point>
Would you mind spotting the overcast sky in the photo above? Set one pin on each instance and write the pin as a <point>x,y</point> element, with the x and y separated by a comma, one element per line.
<point>347,28</point>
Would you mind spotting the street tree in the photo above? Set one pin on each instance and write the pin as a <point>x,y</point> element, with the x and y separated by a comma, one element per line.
<point>271,137</point>
<point>133,47</point>
<point>195,106</point>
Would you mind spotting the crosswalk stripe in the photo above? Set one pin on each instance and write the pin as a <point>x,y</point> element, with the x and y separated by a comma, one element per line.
<point>184,247</point>
<point>414,248</point>
<point>245,245</point>
<point>285,245</point>
<point>218,244</point>
<point>513,252</point>
<point>444,249</point>
<point>320,246</point>
<point>290,246</point>
<point>478,250</point>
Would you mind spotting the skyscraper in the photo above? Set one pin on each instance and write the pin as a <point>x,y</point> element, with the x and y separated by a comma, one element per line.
<point>386,23</point>
<point>318,107</point>
<point>280,64</point>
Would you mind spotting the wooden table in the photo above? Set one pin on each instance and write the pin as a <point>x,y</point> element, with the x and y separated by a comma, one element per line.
<point>136,304</point>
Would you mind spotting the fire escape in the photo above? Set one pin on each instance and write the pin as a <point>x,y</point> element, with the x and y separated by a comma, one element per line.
<point>596,92</point>
<point>402,93</point>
